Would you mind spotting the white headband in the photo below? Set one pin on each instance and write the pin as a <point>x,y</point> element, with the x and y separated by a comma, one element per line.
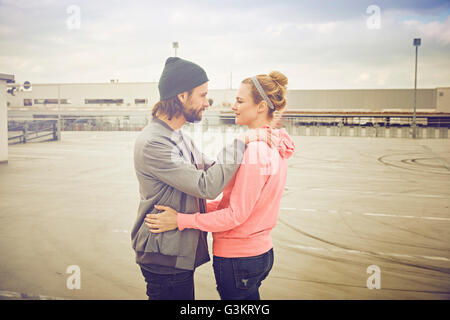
<point>262,93</point>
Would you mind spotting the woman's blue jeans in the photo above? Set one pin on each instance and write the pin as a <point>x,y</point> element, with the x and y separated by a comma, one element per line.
<point>240,278</point>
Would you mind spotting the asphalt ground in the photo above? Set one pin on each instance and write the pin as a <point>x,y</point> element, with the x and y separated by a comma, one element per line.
<point>351,206</point>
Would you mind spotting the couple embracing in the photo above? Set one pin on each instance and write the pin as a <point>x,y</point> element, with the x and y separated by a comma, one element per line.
<point>176,179</point>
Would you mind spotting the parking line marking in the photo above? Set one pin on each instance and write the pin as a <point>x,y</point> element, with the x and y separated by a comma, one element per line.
<point>403,216</point>
<point>382,193</point>
<point>18,295</point>
<point>350,251</point>
<point>388,215</point>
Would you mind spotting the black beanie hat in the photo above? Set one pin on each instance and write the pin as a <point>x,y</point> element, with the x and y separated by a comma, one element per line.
<point>179,76</point>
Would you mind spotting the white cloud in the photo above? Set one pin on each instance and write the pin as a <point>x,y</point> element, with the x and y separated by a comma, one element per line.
<point>383,77</point>
<point>131,40</point>
<point>434,30</point>
<point>320,27</point>
<point>362,77</point>
<point>7,31</point>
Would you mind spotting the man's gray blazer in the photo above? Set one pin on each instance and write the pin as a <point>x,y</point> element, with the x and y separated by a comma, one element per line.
<point>171,171</point>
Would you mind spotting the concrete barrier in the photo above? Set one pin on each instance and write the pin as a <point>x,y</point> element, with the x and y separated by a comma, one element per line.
<point>333,131</point>
<point>443,133</point>
<point>315,131</point>
<point>291,127</point>
<point>394,132</point>
<point>370,131</point>
<point>380,132</point>
<point>419,133</point>
<point>404,132</point>
<point>346,131</point>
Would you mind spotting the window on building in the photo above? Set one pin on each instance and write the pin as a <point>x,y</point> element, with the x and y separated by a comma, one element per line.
<point>27,102</point>
<point>103,101</point>
<point>45,101</point>
<point>140,101</point>
<point>48,101</point>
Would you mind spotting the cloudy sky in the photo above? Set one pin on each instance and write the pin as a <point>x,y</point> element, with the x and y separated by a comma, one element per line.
<point>317,44</point>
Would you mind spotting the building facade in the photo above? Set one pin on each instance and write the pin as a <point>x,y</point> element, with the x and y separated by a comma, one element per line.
<point>143,95</point>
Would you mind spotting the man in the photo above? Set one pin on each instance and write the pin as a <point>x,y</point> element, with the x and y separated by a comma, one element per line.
<point>172,171</point>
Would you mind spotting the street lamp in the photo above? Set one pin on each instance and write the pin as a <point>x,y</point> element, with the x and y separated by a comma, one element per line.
<point>175,46</point>
<point>416,43</point>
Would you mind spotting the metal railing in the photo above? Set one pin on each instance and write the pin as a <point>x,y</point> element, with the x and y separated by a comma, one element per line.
<point>370,127</point>
<point>302,126</point>
<point>370,131</point>
<point>32,130</point>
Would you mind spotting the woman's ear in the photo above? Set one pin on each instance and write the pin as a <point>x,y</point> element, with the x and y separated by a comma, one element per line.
<point>262,106</point>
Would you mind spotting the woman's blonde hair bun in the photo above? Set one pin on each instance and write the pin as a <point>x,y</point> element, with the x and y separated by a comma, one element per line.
<point>278,77</point>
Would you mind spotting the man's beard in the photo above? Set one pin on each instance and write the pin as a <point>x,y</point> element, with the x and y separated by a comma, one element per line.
<point>192,115</point>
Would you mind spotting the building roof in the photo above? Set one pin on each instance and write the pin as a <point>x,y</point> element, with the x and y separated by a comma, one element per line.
<point>8,77</point>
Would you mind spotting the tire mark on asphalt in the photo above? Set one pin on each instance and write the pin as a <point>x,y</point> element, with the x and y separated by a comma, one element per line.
<point>366,252</point>
<point>357,286</point>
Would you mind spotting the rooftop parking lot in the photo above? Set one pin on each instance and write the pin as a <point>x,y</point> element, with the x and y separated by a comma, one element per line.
<point>349,203</point>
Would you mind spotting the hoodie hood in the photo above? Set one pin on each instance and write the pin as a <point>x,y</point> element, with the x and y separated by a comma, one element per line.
<point>285,144</point>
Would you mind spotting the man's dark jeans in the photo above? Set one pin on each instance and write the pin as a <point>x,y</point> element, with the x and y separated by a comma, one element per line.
<point>240,278</point>
<point>179,286</point>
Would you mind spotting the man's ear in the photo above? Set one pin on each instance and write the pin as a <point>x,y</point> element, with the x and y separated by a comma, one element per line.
<point>183,97</point>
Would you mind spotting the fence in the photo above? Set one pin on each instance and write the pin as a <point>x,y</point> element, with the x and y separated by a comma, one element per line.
<point>35,129</point>
<point>25,131</point>
<point>369,132</point>
<point>404,129</point>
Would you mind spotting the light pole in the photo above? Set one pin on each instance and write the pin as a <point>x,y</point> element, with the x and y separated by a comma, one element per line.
<point>416,43</point>
<point>175,46</point>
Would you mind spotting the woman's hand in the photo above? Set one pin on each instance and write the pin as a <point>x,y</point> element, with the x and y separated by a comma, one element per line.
<point>261,134</point>
<point>161,222</point>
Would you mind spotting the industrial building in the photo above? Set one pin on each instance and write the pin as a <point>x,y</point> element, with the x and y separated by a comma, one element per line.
<point>127,106</point>
<point>114,103</point>
<point>143,95</point>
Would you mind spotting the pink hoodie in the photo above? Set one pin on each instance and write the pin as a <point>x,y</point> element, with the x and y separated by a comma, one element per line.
<point>242,220</point>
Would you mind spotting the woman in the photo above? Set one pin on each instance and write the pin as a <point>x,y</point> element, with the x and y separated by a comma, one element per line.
<point>242,220</point>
